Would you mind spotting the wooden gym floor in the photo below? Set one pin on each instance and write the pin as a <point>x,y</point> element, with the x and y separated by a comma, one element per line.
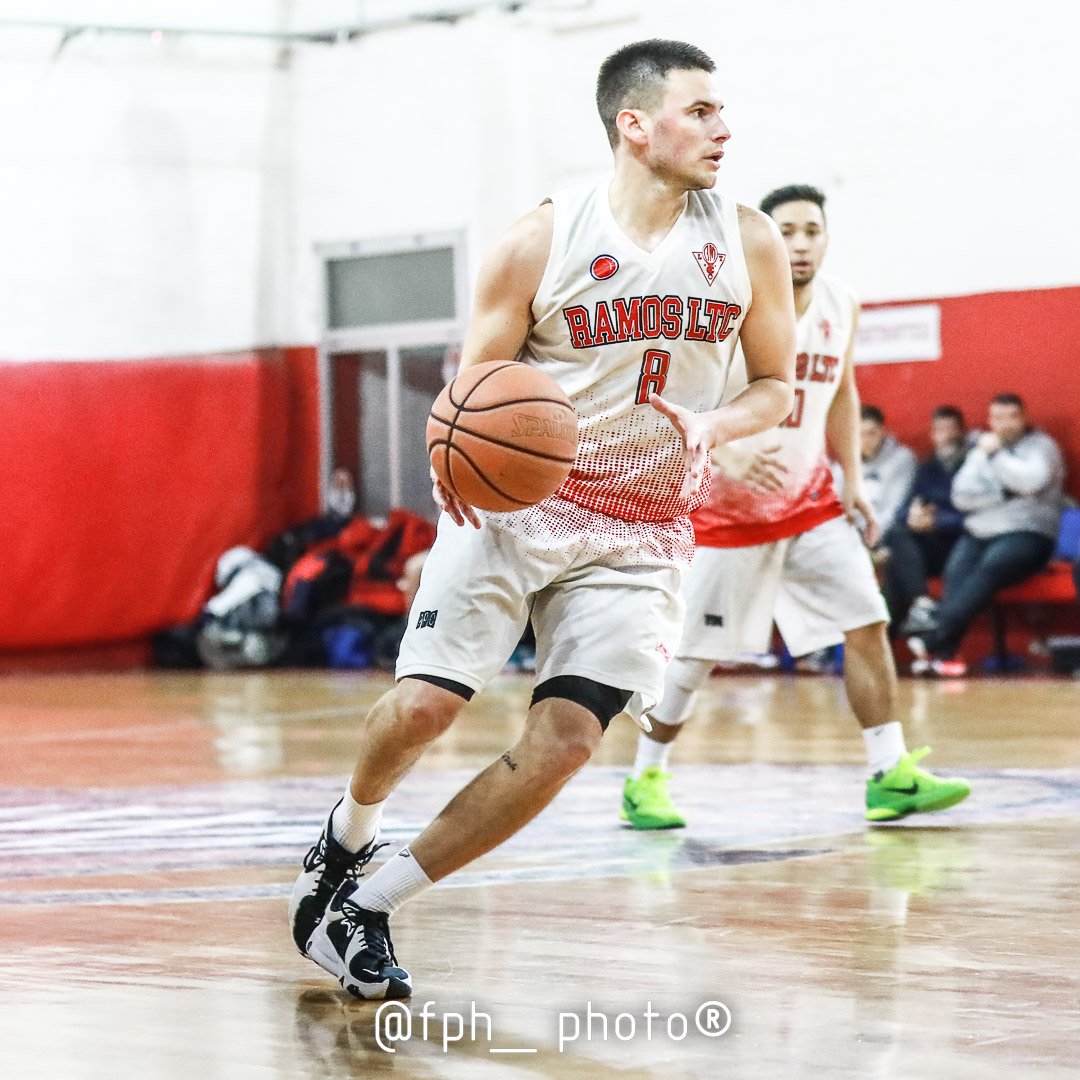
<point>151,826</point>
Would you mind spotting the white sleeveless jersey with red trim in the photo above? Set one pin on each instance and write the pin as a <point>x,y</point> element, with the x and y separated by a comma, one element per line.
<point>738,515</point>
<point>614,323</point>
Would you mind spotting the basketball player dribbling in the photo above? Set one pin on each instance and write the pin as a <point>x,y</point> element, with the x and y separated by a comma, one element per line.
<point>631,293</point>
<point>776,542</point>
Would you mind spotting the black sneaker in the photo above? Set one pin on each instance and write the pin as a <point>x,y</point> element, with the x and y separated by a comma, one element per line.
<point>326,867</point>
<point>353,944</point>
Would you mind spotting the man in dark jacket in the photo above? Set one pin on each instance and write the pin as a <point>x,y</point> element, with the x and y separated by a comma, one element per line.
<point>927,525</point>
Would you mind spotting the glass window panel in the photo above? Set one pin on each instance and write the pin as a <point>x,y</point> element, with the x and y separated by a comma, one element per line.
<point>395,287</point>
<point>373,498</point>
<point>421,381</point>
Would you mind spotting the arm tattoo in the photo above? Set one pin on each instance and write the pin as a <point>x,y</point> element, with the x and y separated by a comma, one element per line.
<point>511,764</point>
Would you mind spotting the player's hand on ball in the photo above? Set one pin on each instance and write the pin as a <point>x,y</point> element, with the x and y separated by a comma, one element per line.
<point>698,438</point>
<point>459,511</point>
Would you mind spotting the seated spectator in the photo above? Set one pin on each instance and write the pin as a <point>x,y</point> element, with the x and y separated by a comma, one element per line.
<point>289,546</point>
<point>888,467</point>
<point>1010,489</point>
<point>927,525</point>
<point>341,496</point>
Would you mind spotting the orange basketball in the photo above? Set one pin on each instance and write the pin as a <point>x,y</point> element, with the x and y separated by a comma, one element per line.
<point>502,435</point>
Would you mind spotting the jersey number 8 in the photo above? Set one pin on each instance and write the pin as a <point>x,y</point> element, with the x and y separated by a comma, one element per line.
<point>653,377</point>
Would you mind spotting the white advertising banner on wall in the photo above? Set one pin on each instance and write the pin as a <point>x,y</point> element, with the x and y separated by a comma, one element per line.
<point>892,335</point>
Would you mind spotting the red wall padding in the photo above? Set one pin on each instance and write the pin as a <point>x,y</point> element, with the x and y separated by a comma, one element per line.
<point>123,481</point>
<point>1026,343</point>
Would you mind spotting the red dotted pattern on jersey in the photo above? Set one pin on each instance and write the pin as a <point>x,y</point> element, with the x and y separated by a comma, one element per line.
<point>596,537</point>
<point>631,467</point>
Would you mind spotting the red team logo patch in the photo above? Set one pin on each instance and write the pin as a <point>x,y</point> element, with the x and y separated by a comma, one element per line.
<point>603,267</point>
<point>709,261</point>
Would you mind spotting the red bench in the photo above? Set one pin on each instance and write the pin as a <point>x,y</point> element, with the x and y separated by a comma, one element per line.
<point>1052,586</point>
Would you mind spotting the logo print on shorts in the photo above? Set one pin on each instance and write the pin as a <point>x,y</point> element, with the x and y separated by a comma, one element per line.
<point>426,620</point>
<point>714,620</point>
<point>603,267</point>
<point>709,261</point>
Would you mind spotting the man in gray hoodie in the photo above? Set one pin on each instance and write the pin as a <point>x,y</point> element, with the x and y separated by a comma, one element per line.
<point>889,467</point>
<point>1010,490</point>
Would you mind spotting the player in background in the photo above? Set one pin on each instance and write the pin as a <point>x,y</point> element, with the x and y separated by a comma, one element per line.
<point>775,541</point>
<point>631,293</point>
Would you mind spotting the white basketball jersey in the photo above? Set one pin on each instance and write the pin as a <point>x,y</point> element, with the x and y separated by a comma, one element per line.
<point>738,514</point>
<point>614,323</point>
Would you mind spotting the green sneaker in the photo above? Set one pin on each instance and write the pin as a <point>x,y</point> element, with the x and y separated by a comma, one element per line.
<point>646,802</point>
<point>906,789</point>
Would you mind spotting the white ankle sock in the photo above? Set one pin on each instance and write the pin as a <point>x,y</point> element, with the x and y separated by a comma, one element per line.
<point>400,878</point>
<point>884,746</point>
<point>650,752</point>
<point>354,825</point>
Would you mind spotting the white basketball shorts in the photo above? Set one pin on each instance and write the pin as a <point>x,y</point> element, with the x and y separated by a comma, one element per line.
<point>816,586</point>
<point>602,594</point>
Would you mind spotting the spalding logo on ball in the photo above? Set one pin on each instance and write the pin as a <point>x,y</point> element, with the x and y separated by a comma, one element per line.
<point>502,436</point>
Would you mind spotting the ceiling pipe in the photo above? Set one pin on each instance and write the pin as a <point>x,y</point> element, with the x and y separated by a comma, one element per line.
<point>330,36</point>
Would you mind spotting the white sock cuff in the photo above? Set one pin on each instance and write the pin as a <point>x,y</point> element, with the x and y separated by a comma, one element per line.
<point>399,879</point>
<point>649,753</point>
<point>354,825</point>
<point>884,746</point>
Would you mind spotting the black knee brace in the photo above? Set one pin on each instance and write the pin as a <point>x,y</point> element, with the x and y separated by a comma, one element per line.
<point>446,684</point>
<point>603,701</point>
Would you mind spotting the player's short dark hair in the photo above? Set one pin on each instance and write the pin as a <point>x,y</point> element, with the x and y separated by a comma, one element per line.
<point>793,193</point>
<point>949,412</point>
<point>632,77</point>
<point>872,412</point>
<point>1009,399</point>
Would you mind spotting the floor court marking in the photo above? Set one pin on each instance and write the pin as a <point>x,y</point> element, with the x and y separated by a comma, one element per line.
<point>765,813</point>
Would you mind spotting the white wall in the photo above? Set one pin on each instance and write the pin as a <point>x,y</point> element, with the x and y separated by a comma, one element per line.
<point>145,198</point>
<point>161,199</point>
